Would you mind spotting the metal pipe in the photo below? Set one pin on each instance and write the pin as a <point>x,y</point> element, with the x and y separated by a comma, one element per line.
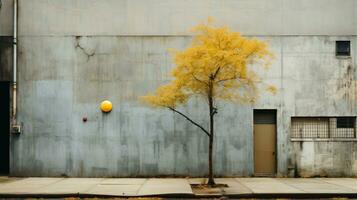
<point>14,88</point>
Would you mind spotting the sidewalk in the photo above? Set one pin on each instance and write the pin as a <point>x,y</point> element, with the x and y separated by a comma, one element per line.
<point>177,187</point>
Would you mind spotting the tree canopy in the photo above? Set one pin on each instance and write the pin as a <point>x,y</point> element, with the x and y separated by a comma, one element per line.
<point>218,58</point>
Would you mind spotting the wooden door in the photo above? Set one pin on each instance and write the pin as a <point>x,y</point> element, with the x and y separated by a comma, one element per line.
<point>264,142</point>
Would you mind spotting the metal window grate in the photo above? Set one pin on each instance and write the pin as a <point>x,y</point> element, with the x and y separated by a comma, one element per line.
<point>323,127</point>
<point>310,128</point>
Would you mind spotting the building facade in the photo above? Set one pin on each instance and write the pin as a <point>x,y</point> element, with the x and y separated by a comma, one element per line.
<point>72,54</point>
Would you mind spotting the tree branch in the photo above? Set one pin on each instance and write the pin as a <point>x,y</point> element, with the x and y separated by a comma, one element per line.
<point>218,68</point>
<point>215,74</point>
<point>190,120</point>
<point>227,79</point>
<point>199,80</point>
<point>251,53</point>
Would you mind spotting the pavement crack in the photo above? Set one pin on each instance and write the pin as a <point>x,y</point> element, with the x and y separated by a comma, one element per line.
<point>245,186</point>
<point>91,187</point>
<point>340,186</point>
<point>138,191</point>
<point>50,184</point>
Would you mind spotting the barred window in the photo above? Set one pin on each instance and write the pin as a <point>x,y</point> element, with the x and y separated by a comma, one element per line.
<point>323,127</point>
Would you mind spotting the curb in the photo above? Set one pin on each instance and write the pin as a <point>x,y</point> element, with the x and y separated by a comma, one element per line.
<point>188,196</point>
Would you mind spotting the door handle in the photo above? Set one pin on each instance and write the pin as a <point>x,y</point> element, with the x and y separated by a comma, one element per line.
<point>273,153</point>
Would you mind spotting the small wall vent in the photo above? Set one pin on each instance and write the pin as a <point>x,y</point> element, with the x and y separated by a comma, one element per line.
<point>343,48</point>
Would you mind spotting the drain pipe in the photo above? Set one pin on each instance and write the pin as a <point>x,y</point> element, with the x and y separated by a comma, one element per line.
<point>15,127</point>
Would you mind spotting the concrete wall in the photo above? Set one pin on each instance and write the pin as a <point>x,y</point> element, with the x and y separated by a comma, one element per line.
<point>160,17</point>
<point>61,85</point>
<point>326,158</point>
<point>321,85</point>
<point>133,140</point>
<point>75,53</point>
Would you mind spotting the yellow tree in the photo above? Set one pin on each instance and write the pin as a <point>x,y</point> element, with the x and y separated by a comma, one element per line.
<point>214,67</point>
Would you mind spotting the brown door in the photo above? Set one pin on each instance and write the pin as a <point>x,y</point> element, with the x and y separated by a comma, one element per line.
<point>264,142</point>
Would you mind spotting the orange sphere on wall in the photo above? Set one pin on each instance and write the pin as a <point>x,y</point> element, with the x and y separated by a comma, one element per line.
<point>106,106</point>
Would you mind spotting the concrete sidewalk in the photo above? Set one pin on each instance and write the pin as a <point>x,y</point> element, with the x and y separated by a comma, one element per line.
<point>177,187</point>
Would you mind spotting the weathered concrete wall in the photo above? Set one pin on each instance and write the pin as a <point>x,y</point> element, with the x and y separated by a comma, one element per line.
<point>85,51</point>
<point>161,17</point>
<point>323,85</point>
<point>326,158</point>
<point>61,85</point>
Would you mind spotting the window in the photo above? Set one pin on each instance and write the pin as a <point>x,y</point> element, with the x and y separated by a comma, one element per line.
<point>323,127</point>
<point>343,48</point>
<point>345,122</point>
<point>309,127</point>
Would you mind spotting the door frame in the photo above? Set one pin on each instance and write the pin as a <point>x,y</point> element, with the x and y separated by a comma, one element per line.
<point>275,111</point>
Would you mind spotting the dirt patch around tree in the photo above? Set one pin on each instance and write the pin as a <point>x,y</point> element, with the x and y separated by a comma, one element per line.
<point>208,189</point>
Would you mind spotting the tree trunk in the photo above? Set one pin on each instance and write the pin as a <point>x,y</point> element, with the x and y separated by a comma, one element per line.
<point>210,162</point>
<point>210,149</point>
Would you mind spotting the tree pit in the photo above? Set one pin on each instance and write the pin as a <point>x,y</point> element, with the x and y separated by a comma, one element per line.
<point>208,189</point>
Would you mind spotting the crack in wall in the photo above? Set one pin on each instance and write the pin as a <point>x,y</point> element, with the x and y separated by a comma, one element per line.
<point>79,46</point>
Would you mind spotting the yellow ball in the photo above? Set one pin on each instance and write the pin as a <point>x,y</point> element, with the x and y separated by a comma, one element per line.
<point>106,106</point>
